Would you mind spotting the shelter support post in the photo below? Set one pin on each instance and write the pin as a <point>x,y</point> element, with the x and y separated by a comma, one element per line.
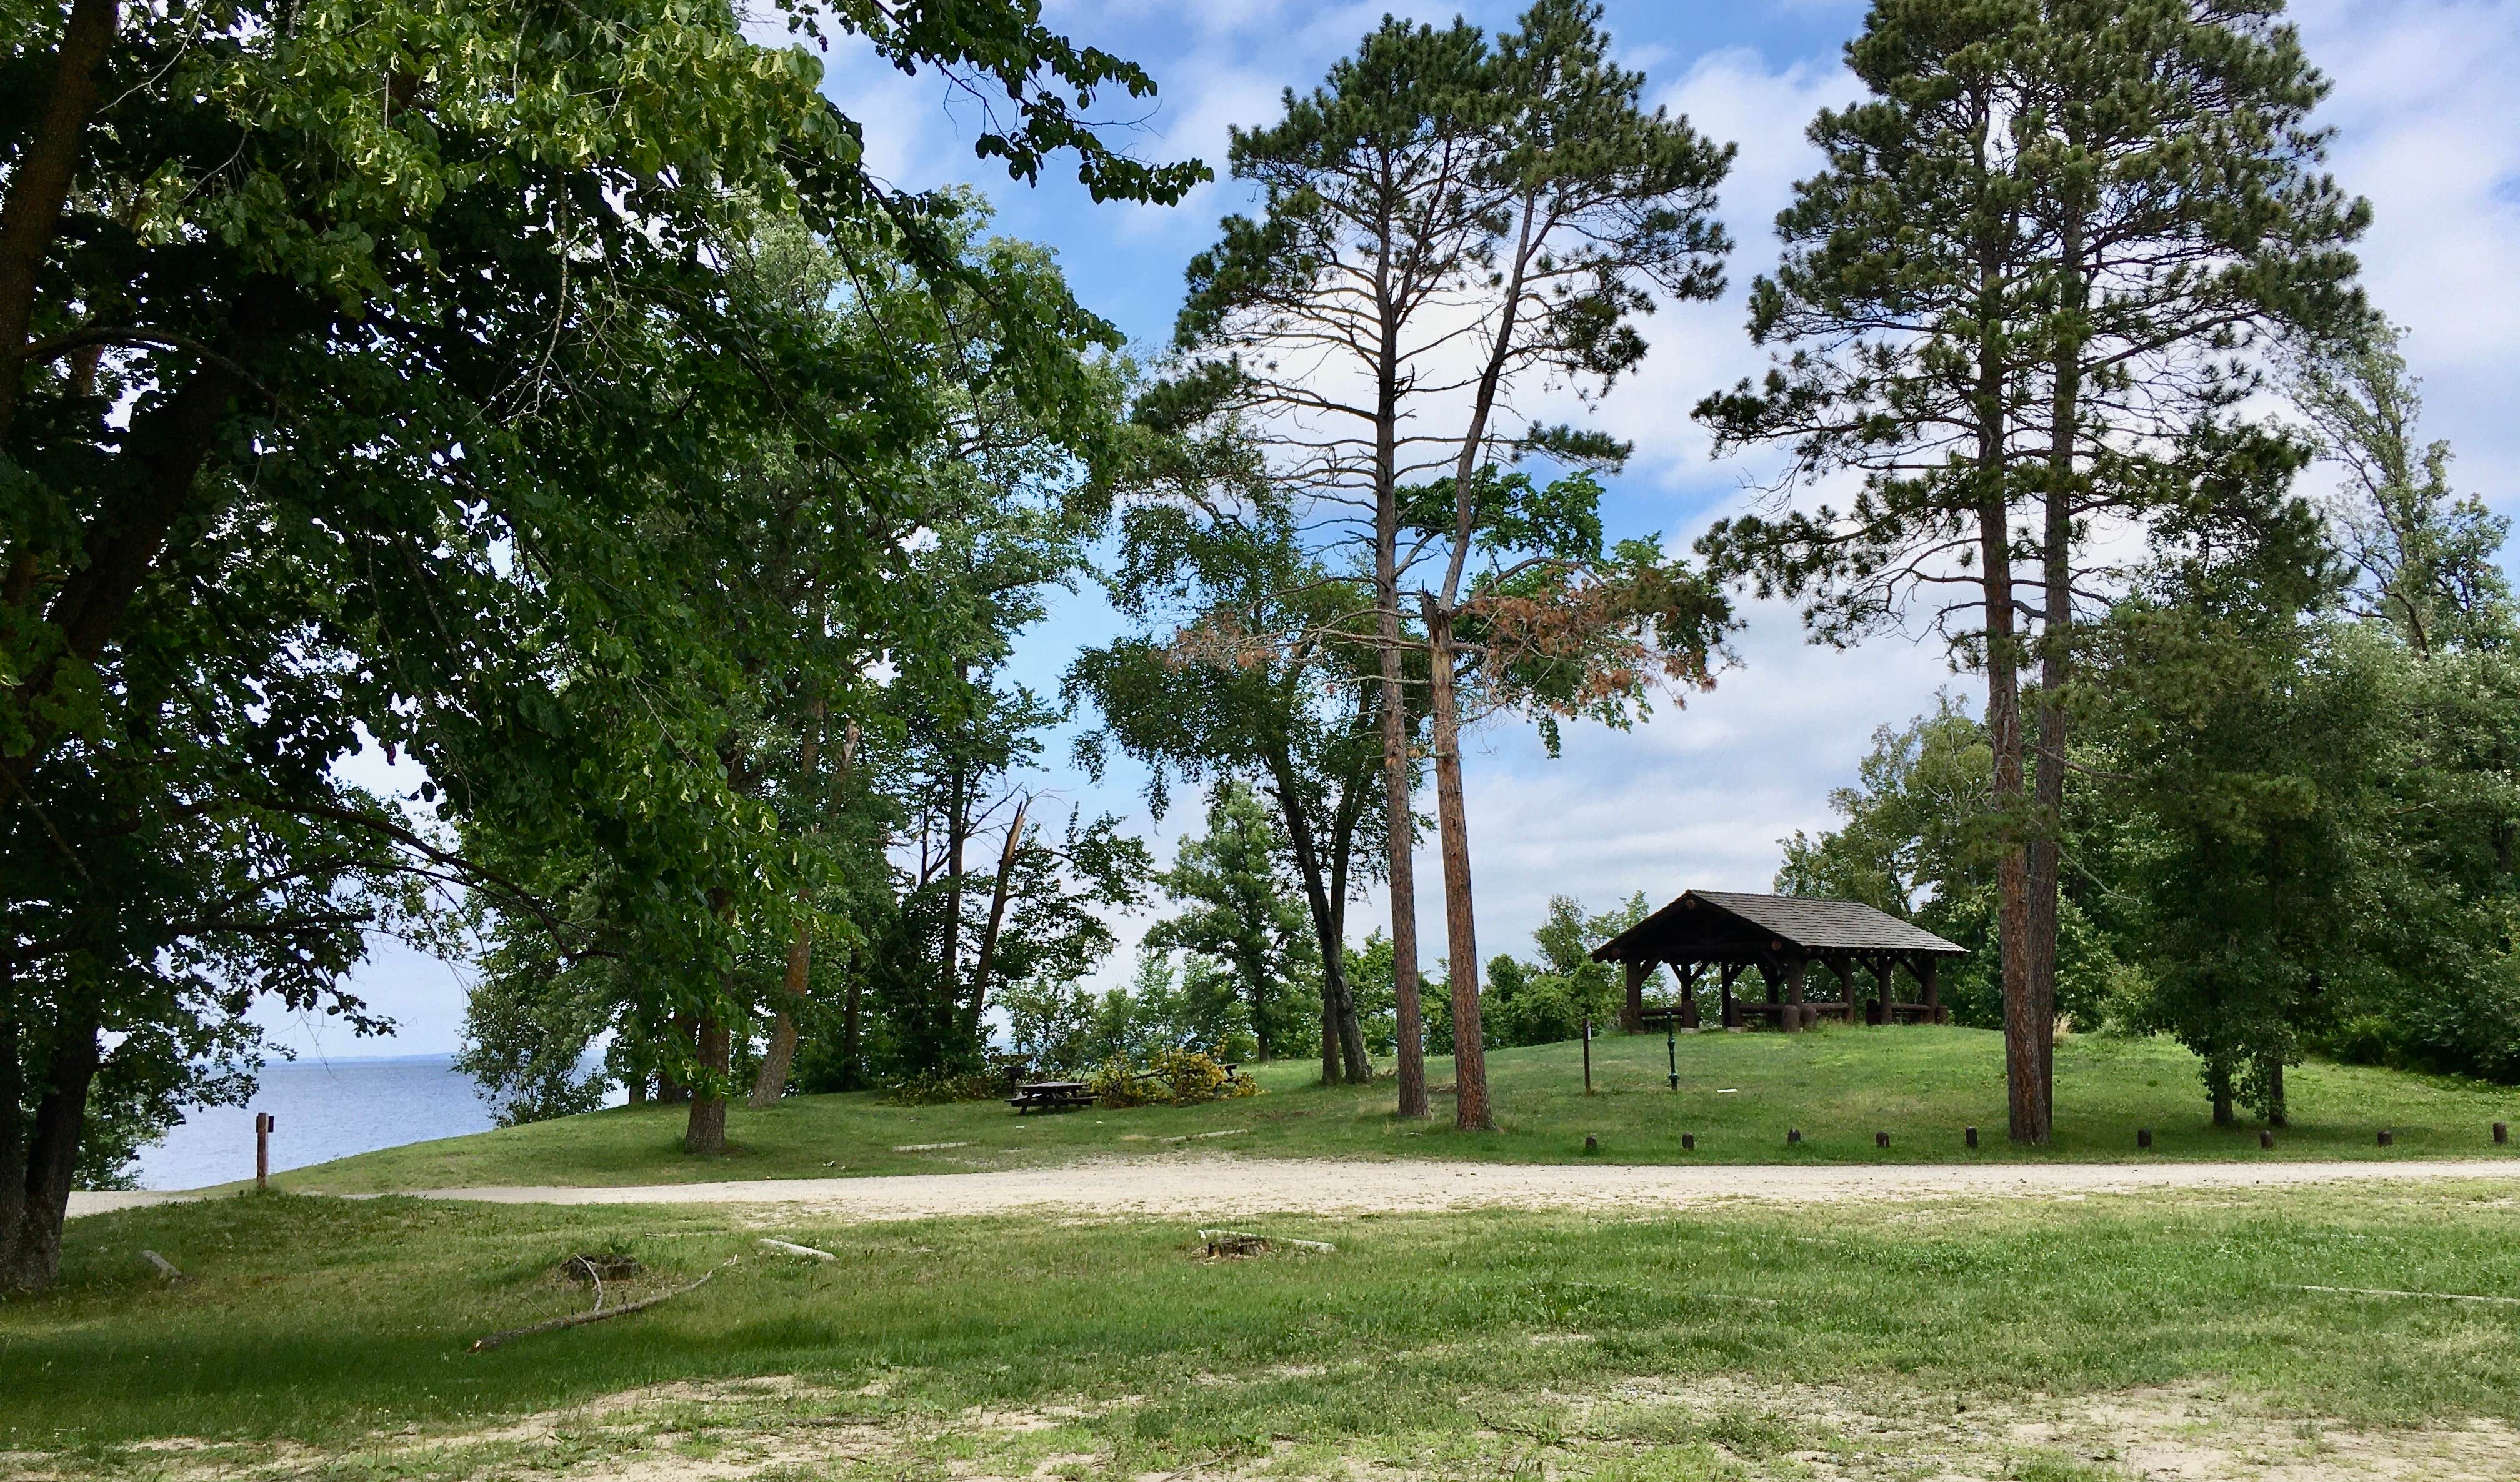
<point>1934,1010</point>
<point>1794,994</point>
<point>1687,1005</point>
<point>1728,1018</point>
<point>1632,1016</point>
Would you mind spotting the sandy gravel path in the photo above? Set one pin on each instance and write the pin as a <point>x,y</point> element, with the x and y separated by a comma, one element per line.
<point>1281,1185</point>
<point>1229,1186</point>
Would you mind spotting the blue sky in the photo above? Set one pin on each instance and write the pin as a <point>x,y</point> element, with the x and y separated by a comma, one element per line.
<point>2424,127</point>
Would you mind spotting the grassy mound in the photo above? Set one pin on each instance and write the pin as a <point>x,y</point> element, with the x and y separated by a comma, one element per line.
<point>1738,1094</point>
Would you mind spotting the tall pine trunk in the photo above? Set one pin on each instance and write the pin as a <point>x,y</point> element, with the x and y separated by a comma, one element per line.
<point>1410,1037</point>
<point>2045,850</point>
<point>2025,1085</point>
<point>1471,1112</point>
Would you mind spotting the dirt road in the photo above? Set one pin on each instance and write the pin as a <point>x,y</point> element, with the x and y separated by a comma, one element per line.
<point>1225,1185</point>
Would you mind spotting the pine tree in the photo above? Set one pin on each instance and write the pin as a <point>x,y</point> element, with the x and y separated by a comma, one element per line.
<point>2020,296</point>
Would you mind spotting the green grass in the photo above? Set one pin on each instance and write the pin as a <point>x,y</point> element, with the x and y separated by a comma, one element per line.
<point>330,1323</point>
<point>1738,1093</point>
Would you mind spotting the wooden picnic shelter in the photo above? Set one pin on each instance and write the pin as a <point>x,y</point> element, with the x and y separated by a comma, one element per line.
<point>1780,936</point>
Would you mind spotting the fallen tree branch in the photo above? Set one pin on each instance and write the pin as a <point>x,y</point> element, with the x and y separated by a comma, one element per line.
<point>2377,1291</point>
<point>1324,1246</point>
<point>596,1314</point>
<point>795,1249</point>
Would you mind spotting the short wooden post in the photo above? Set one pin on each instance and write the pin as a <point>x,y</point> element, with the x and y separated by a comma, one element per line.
<point>1881,1139</point>
<point>2143,1136</point>
<point>1688,1141</point>
<point>2266,1139</point>
<point>1971,1135</point>
<point>2388,1139</point>
<point>1793,1135</point>
<point>2502,1134</point>
<point>1588,1055</point>
<point>263,1122</point>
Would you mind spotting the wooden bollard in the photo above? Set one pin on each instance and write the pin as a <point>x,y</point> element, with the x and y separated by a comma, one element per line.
<point>1591,1144</point>
<point>1793,1135</point>
<point>2266,1139</point>
<point>1881,1139</point>
<point>1970,1132</point>
<point>2502,1134</point>
<point>263,1123</point>
<point>2388,1139</point>
<point>1688,1141</point>
<point>2143,1136</point>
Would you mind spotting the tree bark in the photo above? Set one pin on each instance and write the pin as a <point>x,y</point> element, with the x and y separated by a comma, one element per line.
<point>1471,1112</point>
<point>40,185</point>
<point>771,1082</point>
<point>2043,856</point>
<point>2024,1085</point>
<point>986,962</point>
<point>705,1132</point>
<point>1338,1006</point>
<point>36,1196</point>
<point>1352,1052</point>
<point>957,825</point>
<point>1410,1037</point>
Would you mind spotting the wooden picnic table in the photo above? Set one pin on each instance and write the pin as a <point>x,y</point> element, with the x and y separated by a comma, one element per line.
<point>1050,1095</point>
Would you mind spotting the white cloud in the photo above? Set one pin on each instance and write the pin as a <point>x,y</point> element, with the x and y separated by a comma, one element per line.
<point>2425,128</point>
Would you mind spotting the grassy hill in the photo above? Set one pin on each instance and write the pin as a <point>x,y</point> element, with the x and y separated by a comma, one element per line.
<point>1738,1094</point>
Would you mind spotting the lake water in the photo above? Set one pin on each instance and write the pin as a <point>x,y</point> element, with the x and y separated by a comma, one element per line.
<point>327,1109</point>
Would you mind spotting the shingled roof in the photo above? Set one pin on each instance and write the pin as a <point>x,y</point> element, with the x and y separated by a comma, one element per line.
<point>1716,919</point>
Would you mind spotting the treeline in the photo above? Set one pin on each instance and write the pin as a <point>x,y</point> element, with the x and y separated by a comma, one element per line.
<point>552,400</point>
<point>2299,792</point>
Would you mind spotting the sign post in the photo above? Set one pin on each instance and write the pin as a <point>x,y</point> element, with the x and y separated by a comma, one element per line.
<point>263,1123</point>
